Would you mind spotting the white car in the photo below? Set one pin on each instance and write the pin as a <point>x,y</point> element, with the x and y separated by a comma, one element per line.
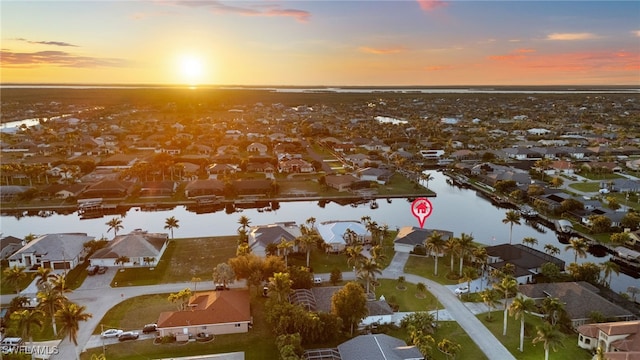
<point>111,333</point>
<point>462,290</point>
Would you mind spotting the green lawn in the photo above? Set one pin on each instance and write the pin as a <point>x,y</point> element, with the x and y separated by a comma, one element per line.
<point>182,260</point>
<point>424,266</point>
<point>586,186</point>
<point>258,343</point>
<point>511,341</point>
<point>598,176</point>
<point>408,299</point>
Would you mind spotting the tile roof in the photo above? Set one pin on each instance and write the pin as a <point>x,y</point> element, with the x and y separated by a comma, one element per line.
<point>55,246</point>
<point>135,244</point>
<point>210,308</point>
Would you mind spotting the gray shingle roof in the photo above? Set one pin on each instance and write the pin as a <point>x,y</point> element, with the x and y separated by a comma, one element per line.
<point>377,347</point>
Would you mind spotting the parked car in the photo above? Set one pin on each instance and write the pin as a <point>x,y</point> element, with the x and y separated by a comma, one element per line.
<point>128,335</point>
<point>102,269</point>
<point>111,333</point>
<point>92,270</point>
<point>462,290</point>
<point>149,328</point>
<point>221,287</point>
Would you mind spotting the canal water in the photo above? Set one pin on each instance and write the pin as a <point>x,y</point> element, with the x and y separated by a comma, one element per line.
<point>455,209</point>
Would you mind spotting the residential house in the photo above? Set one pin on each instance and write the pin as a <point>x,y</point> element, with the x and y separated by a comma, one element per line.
<point>618,340</point>
<point>318,299</point>
<point>295,166</point>
<point>257,148</point>
<point>141,247</point>
<point>207,187</point>
<point>579,299</point>
<point>211,313</point>
<point>64,191</point>
<point>158,188</point>
<point>220,169</point>
<point>340,182</point>
<point>409,237</point>
<point>340,233</point>
<point>258,187</point>
<point>381,176</point>
<point>526,260</point>
<point>108,189</point>
<point>9,245</point>
<point>55,251</point>
<point>370,347</point>
<point>263,235</point>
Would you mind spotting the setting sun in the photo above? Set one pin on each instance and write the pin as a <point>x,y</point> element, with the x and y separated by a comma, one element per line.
<point>191,69</point>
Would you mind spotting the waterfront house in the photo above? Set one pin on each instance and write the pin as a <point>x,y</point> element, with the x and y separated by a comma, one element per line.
<point>141,247</point>
<point>9,245</point>
<point>381,176</point>
<point>410,237</point>
<point>207,187</point>
<point>526,260</point>
<point>262,236</point>
<point>580,299</point>
<point>618,340</point>
<point>108,189</point>
<point>158,188</point>
<point>55,251</point>
<point>340,233</point>
<point>340,182</point>
<point>209,312</point>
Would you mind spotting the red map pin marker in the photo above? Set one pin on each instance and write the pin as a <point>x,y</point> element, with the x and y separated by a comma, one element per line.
<point>421,208</point>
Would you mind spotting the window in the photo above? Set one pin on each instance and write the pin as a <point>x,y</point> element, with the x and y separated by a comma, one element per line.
<point>587,341</point>
<point>238,325</point>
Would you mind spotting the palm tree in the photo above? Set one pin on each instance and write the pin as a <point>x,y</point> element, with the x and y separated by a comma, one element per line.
<point>59,284</point>
<point>368,270</point>
<point>311,222</point>
<point>579,247</point>
<point>122,259</point>
<point>553,308</point>
<point>355,256</point>
<point>280,285</point>
<point>452,246</point>
<point>609,267</point>
<point>530,241</point>
<point>512,217</point>
<point>518,308</point>
<point>171,223</point>
<point>244,222</point>
<point>69,317</point>
<point>435,245</point>
<point>51,300</point>
<point>468,274</point>
<point>506,286</point>
<point>307,240</point>
<point>465,248</point>
<point>27,320</point>
<point>114,224</point>
<point>43,275</point>
<point>285,246</point>
<point>551,249</point>
<point>550,336</point>
<point>376,254</point>
<point>490,298</point>
<point>426,177</point>
<point>14,276</point>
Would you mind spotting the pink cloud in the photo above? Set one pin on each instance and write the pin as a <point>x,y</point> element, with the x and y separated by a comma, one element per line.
<point>430,5</point>
<point>257,10</point>
<point>571,36</point>
<point>381,51</point>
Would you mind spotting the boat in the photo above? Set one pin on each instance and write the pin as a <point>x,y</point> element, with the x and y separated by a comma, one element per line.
<point>527,212</point>
<point>627,257</point>
<point>564,226</point>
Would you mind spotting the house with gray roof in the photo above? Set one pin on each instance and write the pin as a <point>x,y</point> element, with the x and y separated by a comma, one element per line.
<point>579,299</point>
<point>336,233</point>
<point>409,237</point>
<point>526,260</point>
<point>262,235</point>
<point>368,347</point>
<point>141,247</point>
<point>9,245</point>
<point>55,251</point>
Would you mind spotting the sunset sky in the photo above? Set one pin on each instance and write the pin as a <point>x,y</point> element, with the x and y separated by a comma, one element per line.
<point>328,42</point>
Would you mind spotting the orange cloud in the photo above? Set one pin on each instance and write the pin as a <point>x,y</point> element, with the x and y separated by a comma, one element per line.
<point>524,51</point>
<point>571,36</point>
<point>381,51</point>
<point>430,5</point>
<point>55,58</point>
<point>636,33</point>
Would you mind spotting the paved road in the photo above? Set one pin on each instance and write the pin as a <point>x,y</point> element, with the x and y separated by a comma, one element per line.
<point>99,298</point>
